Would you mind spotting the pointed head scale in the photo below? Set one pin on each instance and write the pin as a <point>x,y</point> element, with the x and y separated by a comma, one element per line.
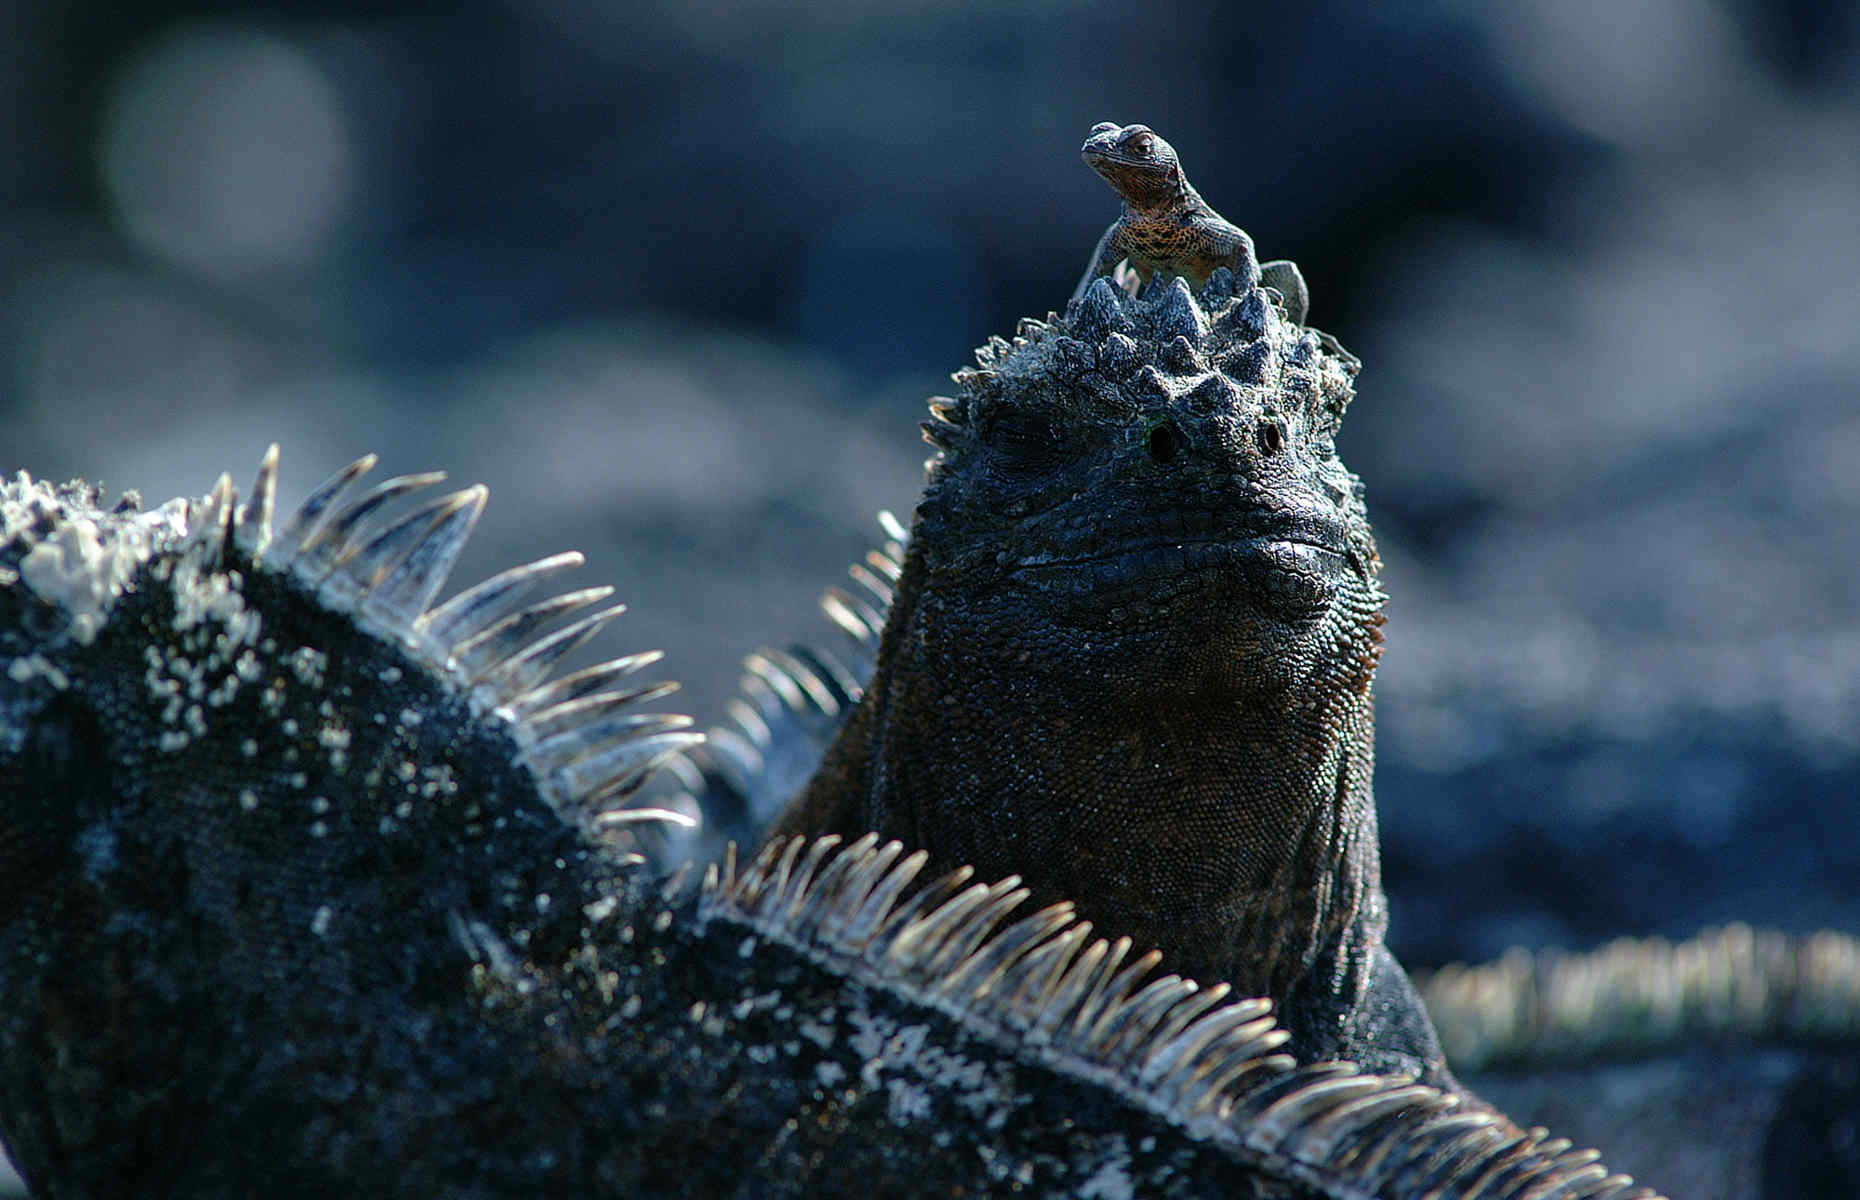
<point>1098,312</point>
<point>1136,162</point>
<point>1177,314</point>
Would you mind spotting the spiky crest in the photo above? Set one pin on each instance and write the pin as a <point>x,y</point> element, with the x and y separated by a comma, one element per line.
<point>1041,988</point>
<point>788,705</point>
<point>586,755</point>
<point>1636,994</point>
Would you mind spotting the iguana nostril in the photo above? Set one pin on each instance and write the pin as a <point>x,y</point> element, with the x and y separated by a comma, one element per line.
<point>1271,438</point>
<point>1165,442</point>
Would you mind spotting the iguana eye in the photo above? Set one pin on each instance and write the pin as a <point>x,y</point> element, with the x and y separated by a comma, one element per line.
<point>1142,145</point>
<point>1025,437</point>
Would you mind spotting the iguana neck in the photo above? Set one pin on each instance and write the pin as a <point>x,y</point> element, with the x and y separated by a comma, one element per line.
<point>1232,827</point>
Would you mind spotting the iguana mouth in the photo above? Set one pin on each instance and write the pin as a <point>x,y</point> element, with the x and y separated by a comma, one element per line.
<point>1295,570</point>
<point>1296,537</point>
<point>1152,559</point>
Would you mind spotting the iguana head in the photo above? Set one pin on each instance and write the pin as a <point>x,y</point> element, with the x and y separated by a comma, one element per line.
<point>1150,490</point>
<point>1137,163</point>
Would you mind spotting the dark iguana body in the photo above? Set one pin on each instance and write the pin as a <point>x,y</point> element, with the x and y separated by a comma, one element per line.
<point>308,887</point>
<point>1131,651</point>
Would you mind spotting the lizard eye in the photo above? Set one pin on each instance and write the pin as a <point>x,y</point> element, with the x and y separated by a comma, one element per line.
<point>1143,145</point>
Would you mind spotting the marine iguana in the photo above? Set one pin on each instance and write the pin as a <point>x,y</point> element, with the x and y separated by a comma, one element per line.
<point>1130,656</point>
<point>306,884</point>
<point>1166,228</point>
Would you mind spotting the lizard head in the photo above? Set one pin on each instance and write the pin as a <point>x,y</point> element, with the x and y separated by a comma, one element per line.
<point>1157,477</point>
<point>1136,162</point>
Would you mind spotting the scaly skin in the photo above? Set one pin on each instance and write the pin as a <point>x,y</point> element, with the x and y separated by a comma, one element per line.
<point>1131,651</point>
<point>1166,228</point>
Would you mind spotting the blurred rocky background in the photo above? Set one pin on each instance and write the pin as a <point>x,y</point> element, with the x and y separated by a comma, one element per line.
<point>674,279</point>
